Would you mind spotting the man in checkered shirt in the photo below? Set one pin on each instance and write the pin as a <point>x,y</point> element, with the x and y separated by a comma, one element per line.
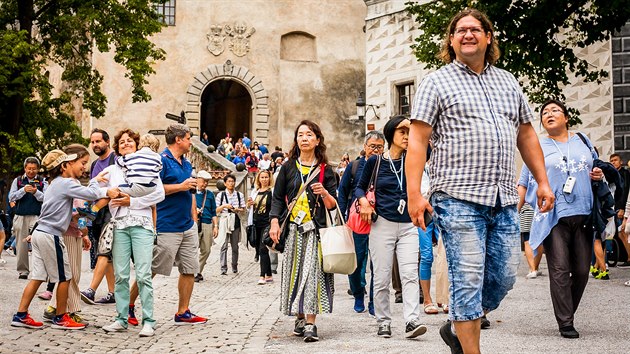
<point>475,114</point>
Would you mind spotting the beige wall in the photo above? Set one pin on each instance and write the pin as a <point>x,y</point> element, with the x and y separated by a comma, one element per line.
<point>283,91</point>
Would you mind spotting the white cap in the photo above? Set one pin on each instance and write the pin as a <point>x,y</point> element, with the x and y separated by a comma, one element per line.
<point>204,174</point>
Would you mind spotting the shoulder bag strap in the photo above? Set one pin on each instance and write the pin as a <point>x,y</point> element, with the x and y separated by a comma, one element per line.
<point>374,176</point>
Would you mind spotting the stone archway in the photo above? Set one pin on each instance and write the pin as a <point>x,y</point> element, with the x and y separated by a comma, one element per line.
<point>242,75</point>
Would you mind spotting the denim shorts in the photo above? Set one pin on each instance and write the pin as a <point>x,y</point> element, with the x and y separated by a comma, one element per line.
<point>483,252</point>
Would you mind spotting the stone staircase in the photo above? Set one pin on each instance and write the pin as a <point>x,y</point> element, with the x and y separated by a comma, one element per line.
<point>217,165</point>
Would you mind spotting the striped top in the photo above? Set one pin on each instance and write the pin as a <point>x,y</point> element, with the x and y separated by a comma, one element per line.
<point>475,119</point>
<point>526,217</point>
<point>142,167</point>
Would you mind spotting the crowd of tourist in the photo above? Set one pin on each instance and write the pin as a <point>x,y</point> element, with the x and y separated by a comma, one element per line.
<point>409,191</point>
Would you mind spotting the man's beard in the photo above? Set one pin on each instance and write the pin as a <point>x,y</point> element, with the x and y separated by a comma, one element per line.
<point>98,151</point>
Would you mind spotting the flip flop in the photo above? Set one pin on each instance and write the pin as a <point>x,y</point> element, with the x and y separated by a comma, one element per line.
<point>431,309</point>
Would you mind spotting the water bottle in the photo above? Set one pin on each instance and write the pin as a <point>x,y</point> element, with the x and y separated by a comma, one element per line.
<point>82,223</point>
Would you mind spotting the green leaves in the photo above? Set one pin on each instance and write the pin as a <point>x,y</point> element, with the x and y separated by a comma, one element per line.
<point>38,34</point>
<point>537,38</point>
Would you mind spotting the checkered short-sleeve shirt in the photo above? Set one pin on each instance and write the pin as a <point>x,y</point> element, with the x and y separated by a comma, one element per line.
<point>475,120</point>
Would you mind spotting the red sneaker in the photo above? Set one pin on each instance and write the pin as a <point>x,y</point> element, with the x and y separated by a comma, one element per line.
<point>131,318</point>
<point>26,321</point>
<point>66,322</point>
<point>189,318</point>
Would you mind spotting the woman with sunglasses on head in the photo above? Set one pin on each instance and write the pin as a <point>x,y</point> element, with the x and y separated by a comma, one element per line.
<point>567,241</point>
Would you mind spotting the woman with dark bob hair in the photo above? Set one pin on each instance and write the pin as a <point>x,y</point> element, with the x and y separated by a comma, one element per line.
<point>392,232</point>
<point>306,290</point>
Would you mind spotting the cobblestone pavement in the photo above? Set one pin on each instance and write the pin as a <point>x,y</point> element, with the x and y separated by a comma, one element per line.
<point>244,317</point>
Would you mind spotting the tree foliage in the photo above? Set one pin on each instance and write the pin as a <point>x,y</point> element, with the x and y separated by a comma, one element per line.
<point>38,34</point>
<point>537,38</point>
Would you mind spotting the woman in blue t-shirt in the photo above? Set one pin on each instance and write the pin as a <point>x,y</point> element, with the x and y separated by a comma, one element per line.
<point>567,242</point>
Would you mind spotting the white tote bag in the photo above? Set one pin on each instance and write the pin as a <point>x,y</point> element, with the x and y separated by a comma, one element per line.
<point>337,245</point>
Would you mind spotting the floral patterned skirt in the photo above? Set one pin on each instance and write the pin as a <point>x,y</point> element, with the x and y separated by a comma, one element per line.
<point>306,289</point>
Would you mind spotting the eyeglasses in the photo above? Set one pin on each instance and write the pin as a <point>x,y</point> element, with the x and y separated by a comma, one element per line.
<point>375,147</point>
<point>552,111</point>
<point>461,31</point>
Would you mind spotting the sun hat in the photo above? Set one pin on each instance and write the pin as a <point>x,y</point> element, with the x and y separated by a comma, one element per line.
<point>55,157</point>
<point>204,174</point>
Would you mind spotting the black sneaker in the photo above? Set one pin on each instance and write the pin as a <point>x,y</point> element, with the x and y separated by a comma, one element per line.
<point>485,323</point>
<point>23,276</point>
<point>88,296</point>
<point>298,330</point>
<point>107,299</point>
<point>198,278</point>
<point>310,333</point>
<point>415,329</point>
<point>450,339</point>
<point>569,332</point>
<point>625,264</point>
<point>384,330</point>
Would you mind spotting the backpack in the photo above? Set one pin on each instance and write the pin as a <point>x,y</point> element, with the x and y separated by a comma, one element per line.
<point>603,201</point>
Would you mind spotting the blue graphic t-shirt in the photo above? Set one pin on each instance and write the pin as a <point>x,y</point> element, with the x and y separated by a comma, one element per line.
<point>562,160</point>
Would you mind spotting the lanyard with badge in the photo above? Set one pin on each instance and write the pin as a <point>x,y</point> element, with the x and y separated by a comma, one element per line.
<point>570,182</point>
<point>399,178</point>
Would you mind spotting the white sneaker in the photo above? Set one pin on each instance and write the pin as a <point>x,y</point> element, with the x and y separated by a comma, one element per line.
<point>147,331</point>
<point>2,261</point>
<point>531,275</point>
<point>114,327</point>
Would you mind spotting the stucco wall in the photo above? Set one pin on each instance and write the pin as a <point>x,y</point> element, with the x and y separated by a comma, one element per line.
<point>292,90</point>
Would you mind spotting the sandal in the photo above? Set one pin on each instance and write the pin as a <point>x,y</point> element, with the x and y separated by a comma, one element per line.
<point>445,308</point>
<point>431,309</point>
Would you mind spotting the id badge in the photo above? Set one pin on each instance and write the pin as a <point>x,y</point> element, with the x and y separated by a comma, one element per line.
<point>568,185</point>
<point>401,206</point>
<point>299,217</point>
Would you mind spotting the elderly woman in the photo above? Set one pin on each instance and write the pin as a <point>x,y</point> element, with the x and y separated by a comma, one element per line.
<point>306,290</point>
<point>567,241</point>
<point>133,235</point>
<point>392,231</point>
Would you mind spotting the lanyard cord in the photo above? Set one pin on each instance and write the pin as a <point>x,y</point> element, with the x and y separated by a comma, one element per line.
<point>564,158</point>
<point>310,169</point>
<point>402,170</point>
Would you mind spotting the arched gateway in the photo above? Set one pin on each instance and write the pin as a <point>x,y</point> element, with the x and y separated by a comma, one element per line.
<point>215,99</point>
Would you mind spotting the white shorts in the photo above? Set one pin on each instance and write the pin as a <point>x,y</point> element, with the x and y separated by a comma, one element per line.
<point>49,259</point>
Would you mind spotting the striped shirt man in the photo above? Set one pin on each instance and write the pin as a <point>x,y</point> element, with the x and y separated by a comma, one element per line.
<point>475,120</point>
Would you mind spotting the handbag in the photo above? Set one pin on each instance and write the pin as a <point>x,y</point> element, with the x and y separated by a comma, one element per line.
<point>106,239</point>
<point>337,244</point>
<point>251,235</point>
<point>355,222</point>
<point>284,228</point>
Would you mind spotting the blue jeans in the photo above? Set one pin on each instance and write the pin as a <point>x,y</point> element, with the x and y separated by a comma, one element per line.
<point>483,251</point>
<point>138,241</point>
<point>357,279</point>
<point>426,250</point>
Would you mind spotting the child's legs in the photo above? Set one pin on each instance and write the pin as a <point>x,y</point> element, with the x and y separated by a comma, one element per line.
<point>29,293</point>
<point>62,297</point>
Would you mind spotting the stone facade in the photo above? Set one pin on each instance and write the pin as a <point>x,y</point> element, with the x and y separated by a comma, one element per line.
<point>390,65</point>
<point>294,60</point>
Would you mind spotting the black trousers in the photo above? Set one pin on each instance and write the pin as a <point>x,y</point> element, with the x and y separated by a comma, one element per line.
<point>265,261</point>
<point>568,249</point>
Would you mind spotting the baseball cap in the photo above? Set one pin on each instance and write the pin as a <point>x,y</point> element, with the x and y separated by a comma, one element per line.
<point>204,174</point>
<point>55,157</point>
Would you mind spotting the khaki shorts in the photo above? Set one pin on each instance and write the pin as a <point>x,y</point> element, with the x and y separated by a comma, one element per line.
<point>179,247</point>
<point>49,258</point>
